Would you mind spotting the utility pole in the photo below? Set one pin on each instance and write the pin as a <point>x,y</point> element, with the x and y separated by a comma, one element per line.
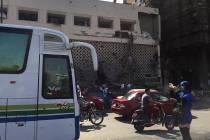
<point>1,11</point>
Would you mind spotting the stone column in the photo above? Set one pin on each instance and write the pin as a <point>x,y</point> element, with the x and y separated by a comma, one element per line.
<point>42,17</point>
<point>203,69</point>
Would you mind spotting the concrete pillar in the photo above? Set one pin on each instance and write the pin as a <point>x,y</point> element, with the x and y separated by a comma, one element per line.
<point>42,16</point>
<point>94,22</point>
<point>159,64</point>
<point>159,27</point>
<point>117,24</point>
<point>203,69</point>
<point>137,27</point>
<point>69,20</point>
<point>12,14</point>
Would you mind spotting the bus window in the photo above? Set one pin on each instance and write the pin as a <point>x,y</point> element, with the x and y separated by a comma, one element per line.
<point>14,46</point>
<point>57,82</point>
<point>52,38</point>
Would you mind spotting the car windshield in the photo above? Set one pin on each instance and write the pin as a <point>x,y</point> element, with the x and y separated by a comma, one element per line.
<point>129,95</point>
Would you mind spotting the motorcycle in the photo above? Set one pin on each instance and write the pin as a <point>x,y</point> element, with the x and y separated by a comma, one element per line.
<point>140,120</point>
<point>89,112</point>
<point>98,101</point>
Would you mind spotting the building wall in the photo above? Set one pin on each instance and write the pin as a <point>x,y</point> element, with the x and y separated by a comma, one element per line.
<point>113,51</point>
<point>113,58</point>
<point>90,8</point>
<point>185,40</point>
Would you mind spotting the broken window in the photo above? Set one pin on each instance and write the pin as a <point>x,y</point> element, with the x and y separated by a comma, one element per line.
<point>127,25</point>
<point>149,24</point>
<point>55,18</point>
<point>105,23</point>
<point>4,13</point>
<point>82,21</point>
<point>28,15</point>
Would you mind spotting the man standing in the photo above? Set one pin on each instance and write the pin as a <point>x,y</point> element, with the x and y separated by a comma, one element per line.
<point>145,102</point>
<point>105,95</point>
<point>186,115</point>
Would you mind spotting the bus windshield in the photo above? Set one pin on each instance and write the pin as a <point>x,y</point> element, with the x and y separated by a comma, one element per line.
<point>14,46</point>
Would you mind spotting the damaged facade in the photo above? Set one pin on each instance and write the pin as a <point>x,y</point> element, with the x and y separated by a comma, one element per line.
<point>185,35</point>
<point>126,36</point>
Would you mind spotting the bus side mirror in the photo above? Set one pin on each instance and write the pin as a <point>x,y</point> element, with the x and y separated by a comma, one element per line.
<point>92,50</point>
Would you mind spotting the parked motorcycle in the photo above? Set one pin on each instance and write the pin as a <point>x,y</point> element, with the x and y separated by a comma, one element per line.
<point>89,112</point>
<point>177,113</point>
<point>98,101</point>
<point>140,120</point>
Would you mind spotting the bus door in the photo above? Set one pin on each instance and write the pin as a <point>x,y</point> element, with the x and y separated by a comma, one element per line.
<point>56,113</point>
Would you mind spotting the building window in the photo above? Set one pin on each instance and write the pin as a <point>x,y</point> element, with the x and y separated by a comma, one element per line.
<point>127,25</point>
<point>28,15</point>
<point>82,21</point>
<point>4,13</point>
<point>55,18</point>
<point>149,25</point>
<point>105,23</point>
<point>57,81</point>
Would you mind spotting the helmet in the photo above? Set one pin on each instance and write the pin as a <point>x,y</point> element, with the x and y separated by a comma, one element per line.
<point>185,85</point>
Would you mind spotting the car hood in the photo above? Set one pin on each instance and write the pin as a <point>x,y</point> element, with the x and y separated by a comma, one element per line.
<point>120,100</point>
<point>119,97</point>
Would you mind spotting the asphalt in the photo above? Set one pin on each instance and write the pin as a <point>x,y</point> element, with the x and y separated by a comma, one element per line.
<point>115,127</point>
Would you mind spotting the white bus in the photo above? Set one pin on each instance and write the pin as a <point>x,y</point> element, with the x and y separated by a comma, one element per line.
<point>38,98</point>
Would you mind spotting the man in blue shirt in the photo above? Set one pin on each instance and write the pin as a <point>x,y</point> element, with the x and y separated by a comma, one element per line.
<point>186,116</point>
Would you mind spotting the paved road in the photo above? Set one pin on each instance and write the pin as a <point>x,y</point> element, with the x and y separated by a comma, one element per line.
<point>116,128</point>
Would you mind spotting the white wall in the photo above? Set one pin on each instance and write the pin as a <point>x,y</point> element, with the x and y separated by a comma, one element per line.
<point>92,8</point>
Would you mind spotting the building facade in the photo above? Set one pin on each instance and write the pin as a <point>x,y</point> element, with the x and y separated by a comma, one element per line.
<point>153,3</point>
<point>126,36</point>
<point>185,36</point>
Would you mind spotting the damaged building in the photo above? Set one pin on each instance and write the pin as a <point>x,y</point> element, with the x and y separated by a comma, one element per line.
<point>185,36</point>
<point>126,36</point>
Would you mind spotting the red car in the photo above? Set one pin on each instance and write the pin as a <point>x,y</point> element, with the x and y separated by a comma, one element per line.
<point>127,104</point>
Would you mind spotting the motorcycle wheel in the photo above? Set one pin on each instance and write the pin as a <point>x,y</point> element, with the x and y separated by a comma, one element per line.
<point>139,127</point>
<point>96,117</point>
<point>170,123</point>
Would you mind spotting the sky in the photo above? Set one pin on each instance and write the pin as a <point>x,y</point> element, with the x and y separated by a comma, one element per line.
<point>118,1</point>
